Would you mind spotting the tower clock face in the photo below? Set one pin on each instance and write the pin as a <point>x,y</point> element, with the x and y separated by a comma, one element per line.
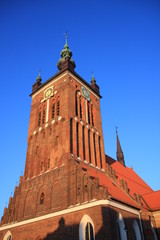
<point>48,93</point>
<point>85,93</point>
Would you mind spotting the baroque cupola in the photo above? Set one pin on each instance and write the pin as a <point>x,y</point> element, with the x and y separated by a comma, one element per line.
<point>66,60</point>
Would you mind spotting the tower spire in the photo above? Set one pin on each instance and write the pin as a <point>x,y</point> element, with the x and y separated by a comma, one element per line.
<point>66,60</point>
<point>120,156</point>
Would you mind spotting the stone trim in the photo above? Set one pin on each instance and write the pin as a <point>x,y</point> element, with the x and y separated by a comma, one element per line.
<point>70,210</point>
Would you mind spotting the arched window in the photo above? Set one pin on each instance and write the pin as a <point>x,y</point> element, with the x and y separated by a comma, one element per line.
<point>89,232</point>
<point>80,107</point>
<point>53,110</point>
<point>71,136</point>
<point>89,113</point>
<point>8,236</point>
<point>86,229</point>
<point>89,146</point>
<point>77,138</point>
<point>76,103</point>
<point>83,143</point>
<point>41,199</point>
<point>43,119</point>
<point>92,115</point>
<point>99,145</point>
<point>39,119</point>
<point>121,229</point>
<point>58,107</point>
<point>94,143</point>
<point>136,230</point>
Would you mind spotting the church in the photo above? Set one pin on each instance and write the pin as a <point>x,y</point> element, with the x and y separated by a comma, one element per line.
<point>70,188</point>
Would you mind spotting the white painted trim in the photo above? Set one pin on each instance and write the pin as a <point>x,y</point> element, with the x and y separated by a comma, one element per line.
<point>82,226</point>
<point>70,210</point>
<point>86,112</point>
<point>47,110</point>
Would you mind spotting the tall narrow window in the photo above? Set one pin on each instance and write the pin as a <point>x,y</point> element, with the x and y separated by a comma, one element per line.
<point>39,119</point>
<point>121,228</point>
<point>41,166</point>
<point>53,110</point>
<point>99,143</point>
<point>49,163</point>
<point>88,114</point>
<point>89,232</point>
<point>58,107</point>
<point>95,156</point>
<point>77,138</point>
<point>36,150</point>
<point>83,143</point>
<point>92,115</point>
<point>71,137</point>
<point>43,119</point>
<point>42,198</point>
<point>89,146</point>
<point>80,107</point>
<point>118,232</point>
<point>76,103</point>
<point>137,234</point>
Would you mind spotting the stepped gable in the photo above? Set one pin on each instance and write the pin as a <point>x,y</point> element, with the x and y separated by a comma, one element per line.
<point>114,190</point>
<point>135,182</point>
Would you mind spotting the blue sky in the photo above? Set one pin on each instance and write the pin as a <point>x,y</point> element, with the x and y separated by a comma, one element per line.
<point>118,40</point>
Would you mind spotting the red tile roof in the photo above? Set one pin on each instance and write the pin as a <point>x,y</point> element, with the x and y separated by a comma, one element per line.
<point>114,190</point>
<point>150,198</point>
<point>153,200</point>
<point>134,182</point>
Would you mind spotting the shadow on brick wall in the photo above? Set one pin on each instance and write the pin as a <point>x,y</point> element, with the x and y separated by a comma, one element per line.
<point>64,232</point>
<point>107,231</point>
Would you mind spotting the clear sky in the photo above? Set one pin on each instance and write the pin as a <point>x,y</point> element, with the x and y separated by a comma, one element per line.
<point>119,40</point>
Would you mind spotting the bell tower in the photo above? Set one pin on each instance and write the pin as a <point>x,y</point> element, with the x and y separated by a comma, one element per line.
<point>65,119</point>
<point>65,142</point>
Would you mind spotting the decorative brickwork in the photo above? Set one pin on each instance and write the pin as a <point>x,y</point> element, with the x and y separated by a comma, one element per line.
<point>70,188</point>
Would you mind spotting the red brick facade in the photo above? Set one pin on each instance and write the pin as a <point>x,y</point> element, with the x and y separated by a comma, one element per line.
<point>68,191</point>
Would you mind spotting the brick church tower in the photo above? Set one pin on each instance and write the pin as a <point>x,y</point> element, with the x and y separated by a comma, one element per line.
<point>70,189</point>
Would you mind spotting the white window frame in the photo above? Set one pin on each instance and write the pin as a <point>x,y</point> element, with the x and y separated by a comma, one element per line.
<point>82,227</point>
<point>7,235</point>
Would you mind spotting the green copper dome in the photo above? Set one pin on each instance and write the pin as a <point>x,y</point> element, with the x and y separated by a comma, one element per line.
<point>66,55</point>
